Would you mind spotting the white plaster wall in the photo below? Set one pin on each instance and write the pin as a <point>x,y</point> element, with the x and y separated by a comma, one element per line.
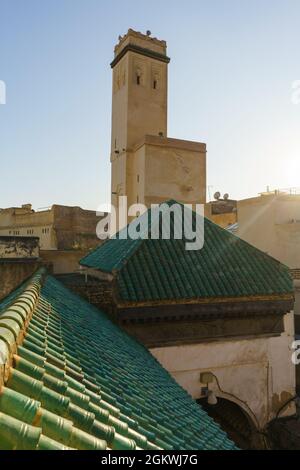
<point>256,373</point>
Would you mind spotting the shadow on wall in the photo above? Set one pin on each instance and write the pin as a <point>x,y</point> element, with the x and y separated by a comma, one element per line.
<point>235,422</point>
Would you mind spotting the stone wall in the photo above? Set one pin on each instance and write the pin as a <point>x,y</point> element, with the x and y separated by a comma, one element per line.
<point>62,261</point>
<point>19,247</point>
<point>96,291</point>
<point>75,228</point>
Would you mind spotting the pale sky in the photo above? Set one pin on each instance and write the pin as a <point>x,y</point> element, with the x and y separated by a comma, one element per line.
<point>233,63</point>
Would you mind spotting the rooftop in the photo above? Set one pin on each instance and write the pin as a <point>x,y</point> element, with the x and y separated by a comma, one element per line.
<point>151,270</point>
<point>69,378</point>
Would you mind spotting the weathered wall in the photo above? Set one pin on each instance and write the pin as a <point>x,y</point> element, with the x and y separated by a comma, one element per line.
<point>62,261</point>
<point>61,227</point>
<point>222,212</point>
<point>12,274</point>
<point>175,169</point>
<point>19,247</point>
<point>96,291</point>
<point>75,228</point>
<point>257,374</point>
<point>23,222</point>
<point>223,220</point>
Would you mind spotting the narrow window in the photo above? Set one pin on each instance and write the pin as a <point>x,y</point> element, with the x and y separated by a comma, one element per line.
<point>138,178</point>
<point>155,84</point>
<point>115,143</point>
<point>138,80</point>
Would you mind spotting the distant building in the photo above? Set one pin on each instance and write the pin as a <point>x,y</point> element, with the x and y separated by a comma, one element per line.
<point>148,166</point>
<point>271,222</point>
<point>222,211</point>
<point>64,233</point>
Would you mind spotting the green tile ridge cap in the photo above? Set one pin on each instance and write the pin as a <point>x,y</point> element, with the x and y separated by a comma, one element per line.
<point>64,331</point>
<point>14,320</point>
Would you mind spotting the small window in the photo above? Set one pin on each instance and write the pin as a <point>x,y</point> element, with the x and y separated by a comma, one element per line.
<point>138,178</point>
<point>155,84</point>
<point>138,80</point>
<point>115,143</point>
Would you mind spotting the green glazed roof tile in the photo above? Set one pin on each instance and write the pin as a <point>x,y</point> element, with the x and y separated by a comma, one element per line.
<point>77,381</point>
<point>159,270</point>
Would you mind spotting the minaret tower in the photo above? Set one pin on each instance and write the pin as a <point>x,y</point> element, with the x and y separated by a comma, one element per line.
<point>147,166</point>
<point>139,101</point>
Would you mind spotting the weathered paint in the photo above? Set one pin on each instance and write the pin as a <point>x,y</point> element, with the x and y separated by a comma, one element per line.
<point>19,247</point>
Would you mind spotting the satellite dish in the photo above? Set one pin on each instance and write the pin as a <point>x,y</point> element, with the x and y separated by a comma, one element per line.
<point>217,195</point>
<point>226,197</point>
<point>148,32</point>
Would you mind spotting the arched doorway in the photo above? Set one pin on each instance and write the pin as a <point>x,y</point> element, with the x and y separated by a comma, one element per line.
<point>235,422</point>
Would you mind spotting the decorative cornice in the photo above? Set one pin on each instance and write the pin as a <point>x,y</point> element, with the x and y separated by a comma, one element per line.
<point>141,51</point>
<point>204,311</point>
<point>207,300</point>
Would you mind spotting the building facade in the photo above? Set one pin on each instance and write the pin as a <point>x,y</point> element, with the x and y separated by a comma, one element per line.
<point>271,222</point>
<point>146,165</point>
<point>222,211</point>
<point>19,259</point>
<point>65,233</point>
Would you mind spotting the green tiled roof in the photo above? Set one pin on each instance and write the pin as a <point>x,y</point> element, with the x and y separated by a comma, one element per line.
<point>73,379</point>
<point>154,270</point>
